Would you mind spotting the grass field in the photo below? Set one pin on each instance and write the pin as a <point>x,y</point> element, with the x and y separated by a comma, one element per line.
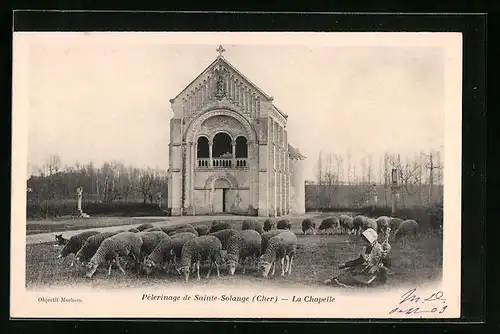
<point>414,260</point>
<point>69,223</point>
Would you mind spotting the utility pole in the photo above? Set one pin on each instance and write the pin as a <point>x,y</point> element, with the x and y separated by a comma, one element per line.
<point>431,165</point>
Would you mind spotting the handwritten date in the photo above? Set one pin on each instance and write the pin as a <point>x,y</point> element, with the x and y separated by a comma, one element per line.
<point>411,303</point>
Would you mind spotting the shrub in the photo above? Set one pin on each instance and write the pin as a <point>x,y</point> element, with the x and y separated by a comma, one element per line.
<point>58,209</point>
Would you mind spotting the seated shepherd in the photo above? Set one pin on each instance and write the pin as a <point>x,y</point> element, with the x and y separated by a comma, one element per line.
<point>369,268</point>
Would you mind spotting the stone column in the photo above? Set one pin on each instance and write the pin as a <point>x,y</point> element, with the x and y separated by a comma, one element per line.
<point>233,162</point>
<point>187,173</point>
<point>79,192</point>
<point>210,154</point>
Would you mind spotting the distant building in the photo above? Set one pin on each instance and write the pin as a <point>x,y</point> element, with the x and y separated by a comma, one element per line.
<point>229,149</point>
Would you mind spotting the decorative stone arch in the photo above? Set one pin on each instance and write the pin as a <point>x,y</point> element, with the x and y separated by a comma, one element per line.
<point>198,136</point>
<point>211,180</point>
<point>191,134</point>
<point>212,135</point>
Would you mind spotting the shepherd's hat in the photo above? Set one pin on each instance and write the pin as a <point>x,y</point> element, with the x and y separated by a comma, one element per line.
<point>370,235</point>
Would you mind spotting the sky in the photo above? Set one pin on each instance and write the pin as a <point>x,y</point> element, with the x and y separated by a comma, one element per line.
<point>100,97</point>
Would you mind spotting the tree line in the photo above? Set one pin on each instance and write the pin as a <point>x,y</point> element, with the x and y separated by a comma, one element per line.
<point>343,182</point>
<point>112,181</point>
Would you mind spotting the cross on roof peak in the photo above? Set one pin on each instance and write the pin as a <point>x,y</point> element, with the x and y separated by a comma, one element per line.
<point>220,50</point>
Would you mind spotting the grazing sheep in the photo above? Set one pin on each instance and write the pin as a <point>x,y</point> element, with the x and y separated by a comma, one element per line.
<point>279,248</point>
<point>171,228</point>
<point>219,226</point>
<point>251,224</point>
<point>144,226</point>
<point>269,224</point>
<point>268,235</point>
<point>184,229</point>
<point>61,241</point>
<point>358,223</point>
<point>309,225</point>
<point>122,244</point>
<point>407,228</point>
<point>331,223</point>
<point>133,230</point>
<point>202,229</point>
<point>166,252</point>
<point>75,243</point>
<point>245,244</point>
<point>149,241</point>
<point>284,224</point>
<point>198,249</point>
<point>394,223</point>
<point>152,229</point>
<point>383,222</point>
<point>369,223</point>
<point>224,235</point>
<point>91,246</point>
<point>346,224</point>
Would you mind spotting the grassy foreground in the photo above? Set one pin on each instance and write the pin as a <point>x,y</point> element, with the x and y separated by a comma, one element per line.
<point>414,260</point>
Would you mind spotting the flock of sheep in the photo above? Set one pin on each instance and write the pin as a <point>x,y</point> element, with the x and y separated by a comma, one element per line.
<point>181,248</point>
<point>345,224</point>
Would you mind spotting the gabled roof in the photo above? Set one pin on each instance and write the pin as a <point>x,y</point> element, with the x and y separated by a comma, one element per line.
<point>295,153</point>
<point>221,59</point>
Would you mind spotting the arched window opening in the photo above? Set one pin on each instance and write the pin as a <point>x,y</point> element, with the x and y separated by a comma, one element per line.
<point>202,148</point>
<point>241,147</point>
<point>222,147</point>
<point>202,152</point>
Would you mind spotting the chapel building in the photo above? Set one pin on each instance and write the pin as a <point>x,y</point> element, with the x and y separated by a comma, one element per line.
<point>229,150</point>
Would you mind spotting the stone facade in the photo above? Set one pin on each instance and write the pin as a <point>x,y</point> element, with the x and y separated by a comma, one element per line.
<point>229,149</point>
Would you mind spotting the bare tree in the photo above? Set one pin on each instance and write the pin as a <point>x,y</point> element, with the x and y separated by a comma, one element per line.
<point>146,182</point>
<point>369,171</point>
<point>349,176</point>
<point>53,164</point>
<point>407,173</point>
<point>340,168</point>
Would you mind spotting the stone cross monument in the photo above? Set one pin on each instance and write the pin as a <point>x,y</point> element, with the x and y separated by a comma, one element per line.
<point>79,192</point>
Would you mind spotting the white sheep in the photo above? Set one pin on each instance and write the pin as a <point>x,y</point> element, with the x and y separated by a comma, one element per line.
<point>150,240</point>
<point>245,244</point>
<point>383,223</point>
<point>346,223</point>
<point>266,236</point>
<point>91,246</point>
<point>122,244</point>
<point>206,247</point>
<point>224,235</point>
<point>279,248</point>
<point>166,252</point>
<point>75,243</point>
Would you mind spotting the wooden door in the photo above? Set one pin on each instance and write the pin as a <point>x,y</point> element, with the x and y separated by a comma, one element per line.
<point>218,200</point>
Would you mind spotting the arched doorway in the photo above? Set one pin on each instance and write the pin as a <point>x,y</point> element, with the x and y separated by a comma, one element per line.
<point>221,200</point>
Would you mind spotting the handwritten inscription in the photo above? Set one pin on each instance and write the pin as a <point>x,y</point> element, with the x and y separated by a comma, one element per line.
<point>412,303</point>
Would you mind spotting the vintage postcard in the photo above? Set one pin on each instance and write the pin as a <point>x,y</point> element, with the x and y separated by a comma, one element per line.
<point>236,175</point>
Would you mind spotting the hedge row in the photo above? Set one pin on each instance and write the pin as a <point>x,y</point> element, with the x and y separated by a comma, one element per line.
<point>55,209</point>
<point>427,217</point>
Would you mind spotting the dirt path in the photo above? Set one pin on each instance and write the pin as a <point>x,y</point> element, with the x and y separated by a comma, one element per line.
<point>49,237</point>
